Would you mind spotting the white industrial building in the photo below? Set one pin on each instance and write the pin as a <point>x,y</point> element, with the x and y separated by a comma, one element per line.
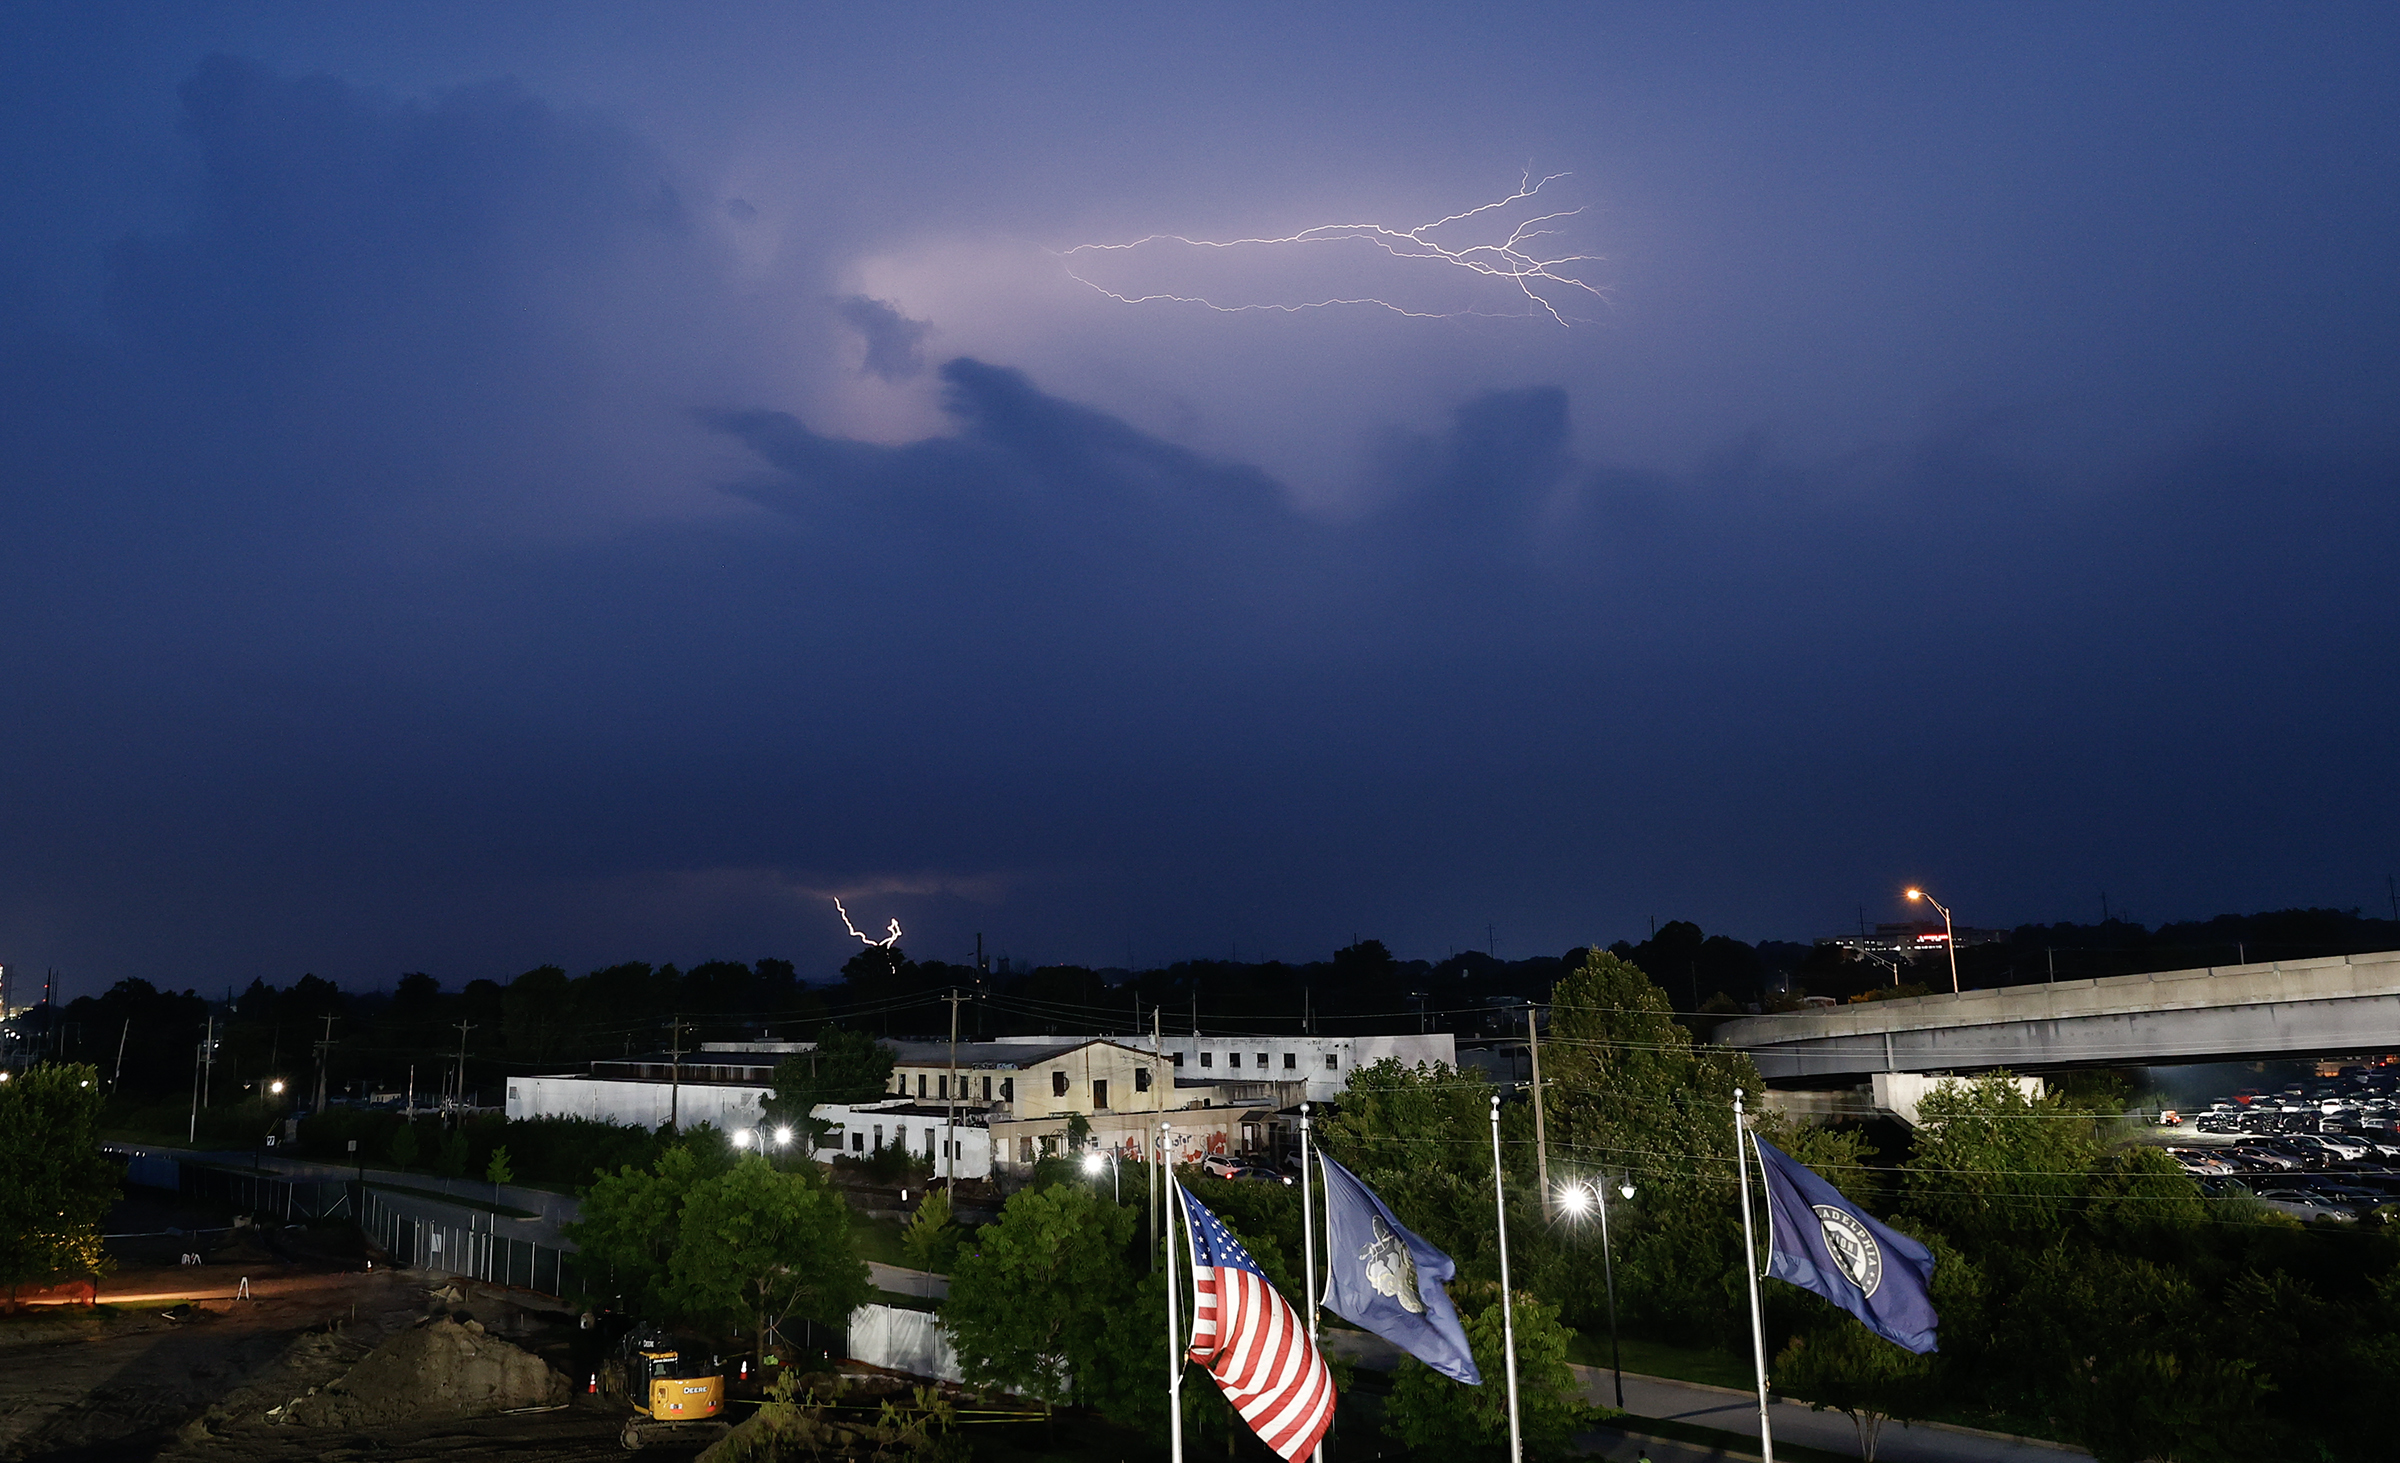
<point>1003,1103</point>
<point>1322,1063</point>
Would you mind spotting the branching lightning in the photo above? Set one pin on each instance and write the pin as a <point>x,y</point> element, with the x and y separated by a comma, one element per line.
<point>1519,258</point>
<point>887,942</point>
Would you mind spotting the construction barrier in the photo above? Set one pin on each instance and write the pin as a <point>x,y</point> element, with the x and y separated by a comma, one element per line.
<point>428,1235</point>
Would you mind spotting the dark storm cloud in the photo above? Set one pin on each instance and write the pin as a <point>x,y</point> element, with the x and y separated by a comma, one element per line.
<point>895,344</point>
<point>380,597</point>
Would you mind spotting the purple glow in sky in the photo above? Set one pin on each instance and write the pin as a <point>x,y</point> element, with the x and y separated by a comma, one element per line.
<point>484,485</point>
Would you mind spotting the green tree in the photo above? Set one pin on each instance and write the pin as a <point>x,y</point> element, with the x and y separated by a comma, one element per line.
<point>1629,1091</point>
<point>630,1223</point>
<point>761,1245</point>
<point>450,1160</point>
<point>497,1171</point>
<point>930,1242</point>
<point>1841,1365</point>
<point>1421,1138</point>
<point>55,1184</point>
<point>847,1066</point>
<point>403,1147</point>
<point>1993,1166</point>
<point>1032,1299</point>
<point>1438,1417</point>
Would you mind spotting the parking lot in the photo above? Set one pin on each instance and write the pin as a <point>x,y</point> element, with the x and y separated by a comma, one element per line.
<point>2319,1148</point>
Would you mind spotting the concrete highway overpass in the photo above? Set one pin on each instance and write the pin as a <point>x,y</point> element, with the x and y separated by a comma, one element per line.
<point>2285,1008</point>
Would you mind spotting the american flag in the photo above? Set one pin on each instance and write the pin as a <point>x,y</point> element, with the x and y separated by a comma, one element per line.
<point>1253,1342</point>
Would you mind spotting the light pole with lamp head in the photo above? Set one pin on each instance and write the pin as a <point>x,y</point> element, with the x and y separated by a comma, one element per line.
<point>1949,932</point>
<point>1116,1180</point>
<point>1575,1198</point>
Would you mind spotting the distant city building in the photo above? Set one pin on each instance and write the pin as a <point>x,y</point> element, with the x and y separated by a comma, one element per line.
<point>1002,1104</point>
<point>1914,938</point>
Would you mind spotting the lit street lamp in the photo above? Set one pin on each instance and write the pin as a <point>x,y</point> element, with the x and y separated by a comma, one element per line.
<point>1116,1180</point>
<point>1949,934</point>
<point>1576,1198</point>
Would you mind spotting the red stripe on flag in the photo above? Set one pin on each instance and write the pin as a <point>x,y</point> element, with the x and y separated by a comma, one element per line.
<point>1254,1345</point>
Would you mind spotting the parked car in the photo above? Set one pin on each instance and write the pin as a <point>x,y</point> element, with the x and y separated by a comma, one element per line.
<point>2303,1205</point>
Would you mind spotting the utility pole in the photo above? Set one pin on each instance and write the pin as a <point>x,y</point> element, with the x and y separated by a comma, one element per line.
<point>675,1075</point>
<point>1158,1094</point>
<point>208,1070</point>
<point>324,1060</point>
<point>459,1094</point>
<point>950,1085</point>
<point>192,1134</point>
<point>120,1077</point>
<point>1541,1144</point>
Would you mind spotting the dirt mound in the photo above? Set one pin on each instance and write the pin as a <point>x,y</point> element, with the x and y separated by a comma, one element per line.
<point>438,1370</point>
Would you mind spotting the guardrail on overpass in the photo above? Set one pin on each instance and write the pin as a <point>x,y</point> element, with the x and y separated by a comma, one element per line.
<point>2348,1003</point>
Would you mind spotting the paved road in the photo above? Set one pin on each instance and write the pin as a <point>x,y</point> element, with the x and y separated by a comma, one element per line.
<point>900,1281</point>
<point>1795,1422</point>
<point>1736,1415</point>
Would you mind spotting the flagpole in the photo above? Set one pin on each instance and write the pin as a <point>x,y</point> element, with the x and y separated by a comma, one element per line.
<point>1758,1330</point>
<point>1174,1314</point>
<point>1308,1241</point>
<point>1508,1316</point>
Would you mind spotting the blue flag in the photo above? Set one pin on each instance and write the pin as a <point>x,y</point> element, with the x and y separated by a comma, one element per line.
<point>1388,1280</point>
<point>1820,1241</point>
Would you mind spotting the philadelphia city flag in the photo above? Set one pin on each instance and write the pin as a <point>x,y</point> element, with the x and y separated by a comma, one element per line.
<point>1820,1241</point>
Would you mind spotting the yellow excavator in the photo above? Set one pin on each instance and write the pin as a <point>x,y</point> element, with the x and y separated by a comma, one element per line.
<point>675,1385</point>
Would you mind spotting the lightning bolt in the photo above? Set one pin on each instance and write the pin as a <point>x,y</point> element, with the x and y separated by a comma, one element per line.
<point>1518,257</point>
<point>887,942</point>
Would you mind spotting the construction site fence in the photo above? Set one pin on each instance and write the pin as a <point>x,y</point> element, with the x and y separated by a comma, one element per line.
<point>265,1195</point>
<point>454,1240</point>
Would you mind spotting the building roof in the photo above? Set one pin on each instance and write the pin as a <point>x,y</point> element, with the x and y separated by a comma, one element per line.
<point>1010,1055</point>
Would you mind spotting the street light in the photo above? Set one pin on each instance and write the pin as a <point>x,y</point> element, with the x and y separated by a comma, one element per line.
<point>1949,934</point>
<point>783,1137</point>
<point>1098,1156</point>
<point>1578,1197</point>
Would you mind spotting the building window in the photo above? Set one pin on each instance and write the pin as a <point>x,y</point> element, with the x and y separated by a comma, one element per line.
<point>858,1142</point>
<point>1234,1060</point>
<point>1332,1062</point>
<point>1290,1060</point>
<point>1100,1094</point>
<point>1208,1059</point>
<point>1008,1089</point>
<point>920,1084</point>
<point>1179,1059</point>
<point>1024,1150</point>
<point>512,1094</point>
<point>1058,1083</point>
<point>1262,1061</point>
<point>941,1086</point>
<point>1141,1079</point>
<point>929,1140</point>
<point>987,1089</point>
<point>879,1137</point>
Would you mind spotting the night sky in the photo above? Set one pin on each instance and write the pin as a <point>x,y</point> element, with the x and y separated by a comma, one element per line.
<point>483,486</point>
